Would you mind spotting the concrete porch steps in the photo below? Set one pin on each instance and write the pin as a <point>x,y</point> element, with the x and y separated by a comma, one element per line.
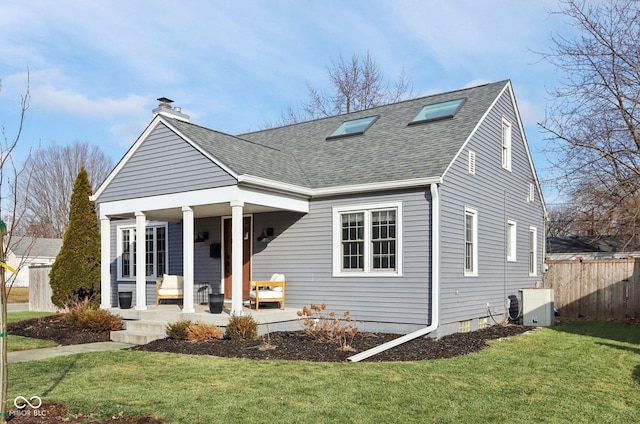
<point>140,332</point>
<point>144,326</point>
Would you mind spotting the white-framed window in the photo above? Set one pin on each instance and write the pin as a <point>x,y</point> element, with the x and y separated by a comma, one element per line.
<point>472,163</point>
<point>155,250</point>
<point>470,242</point>
<point>533,251</point>
<point>506,144</point>
<point>532,193</point>
<point>367,240</point>
<point>511,240</point>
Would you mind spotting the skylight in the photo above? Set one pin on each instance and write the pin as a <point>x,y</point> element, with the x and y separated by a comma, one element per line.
<point>442,110</point>
<point>356,126</point>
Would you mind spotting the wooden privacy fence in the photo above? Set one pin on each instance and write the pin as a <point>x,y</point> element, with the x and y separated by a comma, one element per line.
<point>598,289</point>
<point>40,289</point>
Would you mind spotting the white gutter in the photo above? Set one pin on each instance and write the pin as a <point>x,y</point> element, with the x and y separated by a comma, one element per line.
<point>263,183</point>
<point>435,286</point>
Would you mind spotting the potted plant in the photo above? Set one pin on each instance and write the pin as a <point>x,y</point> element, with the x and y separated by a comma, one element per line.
<point>216,302</point>
<point>124,299</point>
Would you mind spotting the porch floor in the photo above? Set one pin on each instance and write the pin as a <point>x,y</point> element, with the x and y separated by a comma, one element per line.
<point>169,313</point>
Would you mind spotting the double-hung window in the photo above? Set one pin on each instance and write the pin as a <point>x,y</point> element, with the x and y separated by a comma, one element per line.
<point>511,240</point>
<point>367,240</point>
<point>155,251</point>
<point>533,251</point>
<point>506,145</point>
<point>470,242</point>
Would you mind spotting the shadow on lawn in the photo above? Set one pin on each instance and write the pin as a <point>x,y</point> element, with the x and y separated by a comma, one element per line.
<point>627,348</point>
<point>615,331</point>
<point>64,373</point>
<point>636,371</point>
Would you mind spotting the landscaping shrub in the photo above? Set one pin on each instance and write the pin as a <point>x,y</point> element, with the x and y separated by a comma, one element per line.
<point>96,320</point>
<point>75,274</point>
<point>203,332</point>
<point>242,328</point>
<point>178,330</point>
<point>327,327</point>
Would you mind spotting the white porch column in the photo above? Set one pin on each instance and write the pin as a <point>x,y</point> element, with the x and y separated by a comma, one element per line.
<point>105,262</point>
<point>236,256</point>
<point>188,259</point>
<point>141,268</point>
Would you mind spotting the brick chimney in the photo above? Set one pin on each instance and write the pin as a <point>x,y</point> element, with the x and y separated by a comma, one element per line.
<point>165,109</point>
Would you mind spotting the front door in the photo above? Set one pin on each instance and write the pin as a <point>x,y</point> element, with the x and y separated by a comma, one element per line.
<point>246,256</point>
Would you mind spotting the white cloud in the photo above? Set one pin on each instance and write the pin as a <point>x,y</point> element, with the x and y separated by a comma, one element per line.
<point>66,101</point>
<point>530,112</point>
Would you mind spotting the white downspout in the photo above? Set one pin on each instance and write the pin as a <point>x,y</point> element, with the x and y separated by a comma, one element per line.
<point>435,286</point>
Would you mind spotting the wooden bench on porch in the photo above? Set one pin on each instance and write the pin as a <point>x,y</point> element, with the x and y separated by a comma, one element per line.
<point>170,287</point>
<point>267,291</point>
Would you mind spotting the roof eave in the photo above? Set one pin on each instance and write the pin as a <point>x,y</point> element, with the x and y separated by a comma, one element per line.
<point>263,183</point>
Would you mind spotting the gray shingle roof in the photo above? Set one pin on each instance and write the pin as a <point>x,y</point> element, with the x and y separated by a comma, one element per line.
<point>390,149</point>
<point>32,247</point>
<point>243,156</point>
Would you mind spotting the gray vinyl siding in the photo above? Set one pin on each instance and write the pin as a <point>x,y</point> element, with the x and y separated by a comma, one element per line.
<point>207,269</point>
<point>497,195</point>
<point>302,250</point>
<point>164,164</point>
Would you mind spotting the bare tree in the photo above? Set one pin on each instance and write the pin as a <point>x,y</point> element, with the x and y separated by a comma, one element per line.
<point>593,116</point>
<point>9,174</point>
<point>355,84</point>
<point>561,222</point>
<point>54,170</point>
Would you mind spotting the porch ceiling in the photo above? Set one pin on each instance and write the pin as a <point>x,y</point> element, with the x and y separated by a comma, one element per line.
<point>204,211</point>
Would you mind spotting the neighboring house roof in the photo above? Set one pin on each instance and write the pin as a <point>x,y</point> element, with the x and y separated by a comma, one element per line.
<point>30,247</point>
<point>588,247</point>
<point>390,150</point>
<point>593,255</point>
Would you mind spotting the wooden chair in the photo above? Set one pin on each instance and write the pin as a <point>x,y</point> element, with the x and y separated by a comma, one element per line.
<point>268,291</point>
<point>170,287</point>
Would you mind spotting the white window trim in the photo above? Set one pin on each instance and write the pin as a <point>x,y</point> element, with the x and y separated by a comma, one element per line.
<point>533,261</point>
<point>130,226</point>
<point>337,240</point>
<point>473,272</point>
<point>505,143</point>
<point>512,235</point>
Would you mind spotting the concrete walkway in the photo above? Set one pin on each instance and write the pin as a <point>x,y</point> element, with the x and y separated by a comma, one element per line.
<point>15,307</point>
<point>50,352</point>
<point>36,354</point>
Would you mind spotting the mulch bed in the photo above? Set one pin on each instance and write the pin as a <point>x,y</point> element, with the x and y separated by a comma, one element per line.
<point>291,345</point>
<point>51,413</point>
<point>296,345</point>
<point>56,328</point>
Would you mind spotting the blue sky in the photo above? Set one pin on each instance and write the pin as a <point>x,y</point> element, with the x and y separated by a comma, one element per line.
<point>97,67</point>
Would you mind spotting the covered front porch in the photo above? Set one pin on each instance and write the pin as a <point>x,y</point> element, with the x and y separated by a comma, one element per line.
<point>209,223</point>
<point>143,326</point>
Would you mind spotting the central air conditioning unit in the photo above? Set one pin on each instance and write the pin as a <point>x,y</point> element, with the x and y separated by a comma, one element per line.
<point>537,307</point>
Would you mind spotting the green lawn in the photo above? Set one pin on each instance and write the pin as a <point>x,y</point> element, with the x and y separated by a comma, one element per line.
<point>22,315</point>
<point>15,343</point>
<point>576,373</point>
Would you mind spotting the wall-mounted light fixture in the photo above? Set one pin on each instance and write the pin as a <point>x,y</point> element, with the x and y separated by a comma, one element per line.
<point>201,236</point>
<point>267,234</point>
